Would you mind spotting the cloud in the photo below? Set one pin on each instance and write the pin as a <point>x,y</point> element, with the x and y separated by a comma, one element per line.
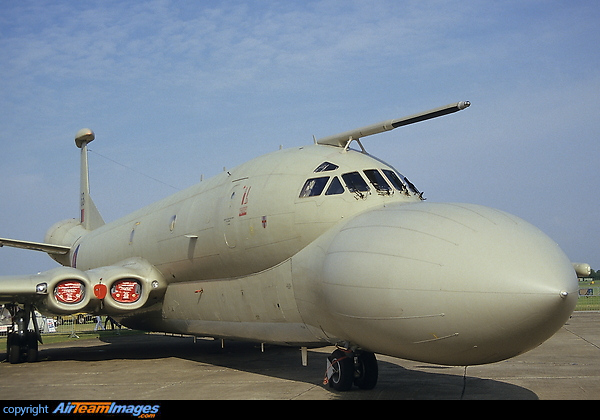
<point>180,89</point>
<point>216,48</point>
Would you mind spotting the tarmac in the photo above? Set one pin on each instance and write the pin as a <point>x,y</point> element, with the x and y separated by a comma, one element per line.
<point>155,367</point>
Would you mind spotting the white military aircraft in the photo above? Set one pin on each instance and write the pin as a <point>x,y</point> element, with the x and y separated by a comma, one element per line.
<point>310,246</point>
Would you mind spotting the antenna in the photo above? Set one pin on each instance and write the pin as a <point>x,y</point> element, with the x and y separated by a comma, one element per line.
<point>343,139</point>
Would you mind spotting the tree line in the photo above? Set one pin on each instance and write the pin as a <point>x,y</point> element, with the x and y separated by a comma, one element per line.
<point>595,274</point>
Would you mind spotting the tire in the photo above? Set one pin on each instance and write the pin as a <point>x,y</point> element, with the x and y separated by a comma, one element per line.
<point>367,371</point>
<point>14,354</point>
<point>32,348</point>
<point>342,364</point>
<point>13,348</point>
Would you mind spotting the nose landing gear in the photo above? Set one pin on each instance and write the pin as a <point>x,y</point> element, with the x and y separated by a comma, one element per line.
<point>346,368</point>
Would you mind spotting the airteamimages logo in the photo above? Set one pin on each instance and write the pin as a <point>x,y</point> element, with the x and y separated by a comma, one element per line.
<point>142,411</point>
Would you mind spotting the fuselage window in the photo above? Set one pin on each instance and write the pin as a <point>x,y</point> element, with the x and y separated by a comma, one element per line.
<point>396,182</point>
<point>326,166</point>
<point>314,187</point>
<point>378,181</point>
<point>335,187</point>
<point>355,182</point>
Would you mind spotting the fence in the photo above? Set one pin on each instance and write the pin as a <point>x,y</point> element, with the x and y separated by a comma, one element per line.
<point>71,325</point>
<point>589,296</point>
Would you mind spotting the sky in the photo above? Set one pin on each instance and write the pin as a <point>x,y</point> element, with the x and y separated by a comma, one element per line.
<point>178,90</point>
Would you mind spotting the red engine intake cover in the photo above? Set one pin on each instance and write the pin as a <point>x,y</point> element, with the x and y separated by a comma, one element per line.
<point>125,291</point>
<point>69,291</point>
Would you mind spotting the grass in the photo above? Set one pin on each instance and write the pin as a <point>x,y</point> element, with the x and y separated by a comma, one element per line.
<point>588,303</point>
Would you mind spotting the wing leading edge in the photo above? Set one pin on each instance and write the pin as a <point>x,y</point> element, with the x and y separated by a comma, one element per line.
<point>36,246</point>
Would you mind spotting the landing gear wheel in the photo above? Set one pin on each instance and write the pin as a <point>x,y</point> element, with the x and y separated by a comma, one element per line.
<point>22,348</point>
<point>21,342</point>
<point>32,348</point>
<point>345,368</point>
<point>366,371</point>
<point>342,370</point>
<point>13,349</point>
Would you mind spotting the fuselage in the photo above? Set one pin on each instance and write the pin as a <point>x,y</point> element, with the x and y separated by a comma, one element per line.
<point>244,220</point>
<point>320,244</point>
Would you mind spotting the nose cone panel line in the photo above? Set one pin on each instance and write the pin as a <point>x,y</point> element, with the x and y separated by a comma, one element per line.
<point>481,283</point>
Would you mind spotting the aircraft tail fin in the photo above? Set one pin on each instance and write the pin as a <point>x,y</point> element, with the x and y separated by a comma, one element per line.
<point>90,217</point>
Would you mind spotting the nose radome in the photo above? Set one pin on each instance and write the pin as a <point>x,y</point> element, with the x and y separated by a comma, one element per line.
<point>454,284</point>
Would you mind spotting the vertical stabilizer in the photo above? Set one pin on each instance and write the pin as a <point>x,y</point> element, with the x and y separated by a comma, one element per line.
<point>90,217</point>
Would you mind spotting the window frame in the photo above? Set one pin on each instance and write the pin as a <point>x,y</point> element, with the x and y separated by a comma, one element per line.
<point>378,184</point>
<point>395,176</point>
<point>334,179</point>
<point>352,188</point>
<point>306,192</point>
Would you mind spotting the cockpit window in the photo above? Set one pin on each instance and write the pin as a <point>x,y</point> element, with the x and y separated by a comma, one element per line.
<point>413,188</point>
<point>355,182</point>
<point>326,166</point>
<point>335,187</point>
<point>313,187</point>
<point>378,181</point>
<point>396,182</point>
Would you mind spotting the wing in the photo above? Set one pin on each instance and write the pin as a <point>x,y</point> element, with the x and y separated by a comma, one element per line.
<point>34,288</point>
<point>134,284</point>
<point>128,286</point>
<point>36,246</point>
<point>19,289</point>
